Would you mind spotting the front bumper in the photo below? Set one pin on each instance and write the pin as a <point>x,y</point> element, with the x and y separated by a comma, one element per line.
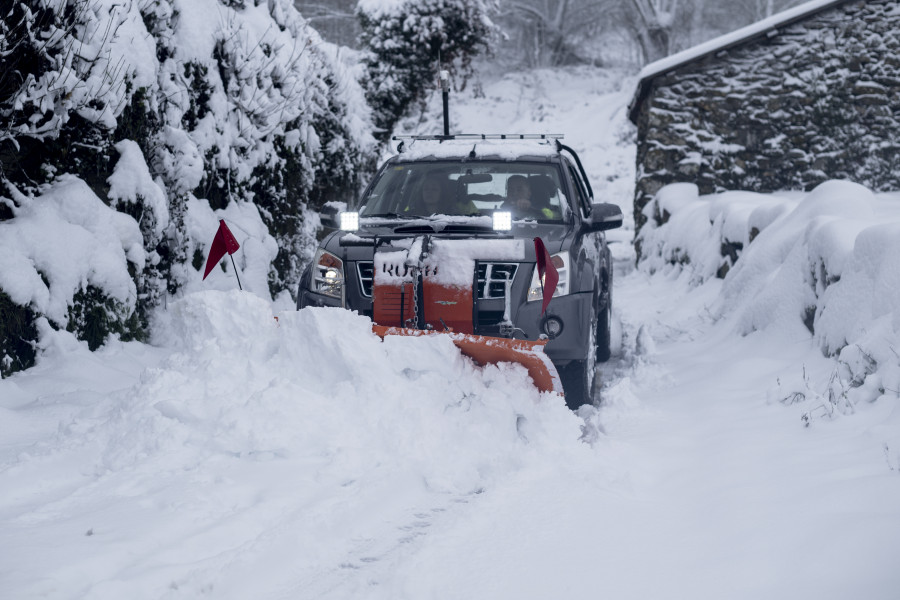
<point>574,312</point>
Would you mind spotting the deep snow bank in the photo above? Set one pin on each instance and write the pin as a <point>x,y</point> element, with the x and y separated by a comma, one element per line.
<point>825,263</point>
<point>242,383</point>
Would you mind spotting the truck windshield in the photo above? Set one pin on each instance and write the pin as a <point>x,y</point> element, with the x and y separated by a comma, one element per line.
<point>528,190</point>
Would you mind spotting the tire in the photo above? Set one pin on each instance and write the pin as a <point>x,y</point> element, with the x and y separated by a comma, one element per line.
<point>604,332</point>
<point>578,383</point>
<point>578,376</point>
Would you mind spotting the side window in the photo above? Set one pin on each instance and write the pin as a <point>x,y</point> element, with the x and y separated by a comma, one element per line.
<point>581,195</point>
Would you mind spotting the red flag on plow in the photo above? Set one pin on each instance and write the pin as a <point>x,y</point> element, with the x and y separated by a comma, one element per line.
<point>222,243</point>
<point>547,273</point>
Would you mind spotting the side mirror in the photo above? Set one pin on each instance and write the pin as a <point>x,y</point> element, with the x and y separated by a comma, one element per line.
<point>329,215</point>
<point>604,216</point>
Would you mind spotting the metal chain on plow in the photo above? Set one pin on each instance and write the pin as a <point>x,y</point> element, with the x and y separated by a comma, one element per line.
<point>417,270</point>
<point>414,269</point>
<point>415,295</point>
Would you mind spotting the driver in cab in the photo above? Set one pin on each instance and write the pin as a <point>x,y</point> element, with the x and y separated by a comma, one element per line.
<point>519,200</point>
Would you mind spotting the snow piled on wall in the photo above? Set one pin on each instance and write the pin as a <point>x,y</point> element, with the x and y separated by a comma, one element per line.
<point>826,262</point>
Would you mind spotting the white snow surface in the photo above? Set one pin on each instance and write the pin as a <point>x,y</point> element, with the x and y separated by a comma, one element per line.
<point>244,456</point>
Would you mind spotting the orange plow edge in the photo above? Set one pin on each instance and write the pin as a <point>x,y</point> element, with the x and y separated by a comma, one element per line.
<point>492,350</point>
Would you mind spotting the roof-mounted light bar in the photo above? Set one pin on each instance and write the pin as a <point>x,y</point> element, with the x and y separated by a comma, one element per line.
<point>483,136</point>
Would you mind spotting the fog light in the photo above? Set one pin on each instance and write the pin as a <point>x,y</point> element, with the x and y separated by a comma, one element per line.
<point>552,326</point>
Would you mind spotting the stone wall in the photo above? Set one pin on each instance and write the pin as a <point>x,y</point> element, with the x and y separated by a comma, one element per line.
<point>818,100</point>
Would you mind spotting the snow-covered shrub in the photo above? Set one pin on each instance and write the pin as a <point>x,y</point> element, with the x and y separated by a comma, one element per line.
<point>17,333</point>
<point>407,40</point>
<point>258,101</point>
<point>68,257</point>
<point>63,85</point>
<point>168,114</point>
<point>822,265</point>
<point>43,79</point>
<point>705,234</point>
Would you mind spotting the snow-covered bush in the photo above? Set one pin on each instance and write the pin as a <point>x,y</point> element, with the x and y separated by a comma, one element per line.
<point>407,41</point>
<point>708,233</point>
<point>169,115</point>
<point>823,263</point>
<point>68,258</point>
<point>263,104</point>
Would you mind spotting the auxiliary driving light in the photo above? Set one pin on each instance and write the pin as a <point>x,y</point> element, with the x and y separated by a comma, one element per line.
<point>552,326</point>
<point>349,221</point>
<point>502,220</point>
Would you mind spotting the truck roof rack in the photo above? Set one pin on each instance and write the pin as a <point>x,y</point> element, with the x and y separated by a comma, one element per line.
<point>483,136</point>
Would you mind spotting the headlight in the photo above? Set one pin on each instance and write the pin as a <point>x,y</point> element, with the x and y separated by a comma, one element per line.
<point>328,274</point>
<point>561,262</point>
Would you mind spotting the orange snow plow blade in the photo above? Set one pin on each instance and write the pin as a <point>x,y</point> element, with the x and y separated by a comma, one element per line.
<point>492,350</point>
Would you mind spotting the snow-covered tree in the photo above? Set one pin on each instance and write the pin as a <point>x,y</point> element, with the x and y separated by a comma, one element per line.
<point>654,26</point>
<point>335,20</point>
<point>553,32</point>
<point>408,41</point>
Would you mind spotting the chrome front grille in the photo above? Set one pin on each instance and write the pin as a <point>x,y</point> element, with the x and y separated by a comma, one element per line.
<point>492,279</point>
<point>366,273</point>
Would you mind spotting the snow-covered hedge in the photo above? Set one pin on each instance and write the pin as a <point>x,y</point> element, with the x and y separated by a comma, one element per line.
<point>127,129</point>
<point>825,263</point>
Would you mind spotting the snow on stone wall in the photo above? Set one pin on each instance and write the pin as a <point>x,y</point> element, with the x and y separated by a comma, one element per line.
<point>822,262</point>
<point>818,100</point>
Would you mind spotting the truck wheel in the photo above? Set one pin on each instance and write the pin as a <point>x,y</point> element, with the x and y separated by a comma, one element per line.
<point>604,336</point>
<point>578,383</point>
<point>578,376</point>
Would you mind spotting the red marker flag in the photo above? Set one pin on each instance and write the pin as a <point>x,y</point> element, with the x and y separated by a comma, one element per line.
<point>222,243</point>
<point>547,273</point>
